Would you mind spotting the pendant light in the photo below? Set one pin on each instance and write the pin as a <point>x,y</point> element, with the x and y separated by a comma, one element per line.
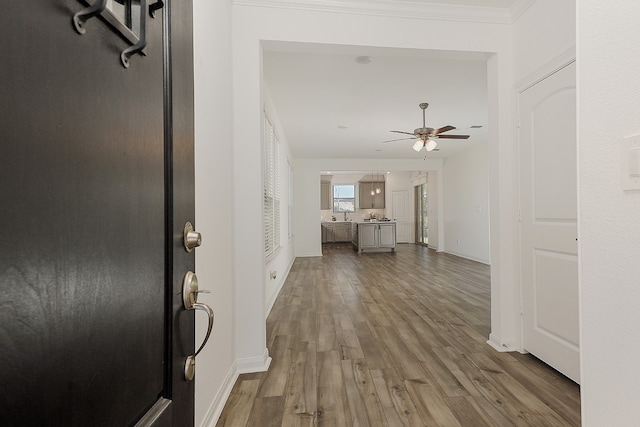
<point>378,191</point>
<point>372,192</point>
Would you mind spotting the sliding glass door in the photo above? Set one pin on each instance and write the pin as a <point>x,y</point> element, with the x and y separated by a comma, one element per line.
<point>421,214</point>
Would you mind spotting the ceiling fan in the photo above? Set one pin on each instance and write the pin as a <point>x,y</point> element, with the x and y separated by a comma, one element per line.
<point>424,136</point>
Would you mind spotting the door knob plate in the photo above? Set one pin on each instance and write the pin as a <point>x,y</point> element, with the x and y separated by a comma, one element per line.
<point>189,290</point>
<point>190,368</point>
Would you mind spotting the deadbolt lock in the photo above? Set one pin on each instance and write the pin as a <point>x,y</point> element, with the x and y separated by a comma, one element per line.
<point>192,239</point>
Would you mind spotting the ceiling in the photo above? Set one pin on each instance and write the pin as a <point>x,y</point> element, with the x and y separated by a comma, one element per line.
<point>481,3</point>
<point>331,106</point>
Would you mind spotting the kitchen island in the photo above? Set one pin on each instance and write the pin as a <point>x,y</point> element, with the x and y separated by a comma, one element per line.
<point>374,236</point>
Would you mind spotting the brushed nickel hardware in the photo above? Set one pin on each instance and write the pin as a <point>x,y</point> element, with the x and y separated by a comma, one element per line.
<point>192,239</point>
<point>159,4</point>
<point>190,292</point>
<point>122,24</point>
<point>142,37</point>
<point>85,14</point>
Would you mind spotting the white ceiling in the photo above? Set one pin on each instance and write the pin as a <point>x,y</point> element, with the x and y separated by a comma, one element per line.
<point>317,89</point>
<point>481,3</point>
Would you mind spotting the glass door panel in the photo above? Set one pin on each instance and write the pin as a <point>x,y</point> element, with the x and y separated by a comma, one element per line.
<point>421,214</point>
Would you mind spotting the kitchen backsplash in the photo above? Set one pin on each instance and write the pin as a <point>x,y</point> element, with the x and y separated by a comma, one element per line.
<point>360,215</point>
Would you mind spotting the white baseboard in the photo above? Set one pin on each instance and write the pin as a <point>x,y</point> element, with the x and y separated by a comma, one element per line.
<point>254,364</point>
<point>215,410</point>
<point>277,292</point>
<point>467,257</point>
<point>497,344</point>
<point>308,254</point>
<point>241,366</point>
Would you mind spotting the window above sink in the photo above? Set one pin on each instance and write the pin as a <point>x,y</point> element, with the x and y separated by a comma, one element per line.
<point>344,198</point>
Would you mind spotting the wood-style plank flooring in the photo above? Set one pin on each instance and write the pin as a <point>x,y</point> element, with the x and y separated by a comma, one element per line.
<point>393,339</point>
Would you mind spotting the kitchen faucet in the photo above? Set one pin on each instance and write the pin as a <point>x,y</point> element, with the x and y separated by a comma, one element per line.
<point>345,216</point>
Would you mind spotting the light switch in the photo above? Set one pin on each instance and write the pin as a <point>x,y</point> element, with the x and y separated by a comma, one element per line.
<point>630,163</point>
<point>634,162</point>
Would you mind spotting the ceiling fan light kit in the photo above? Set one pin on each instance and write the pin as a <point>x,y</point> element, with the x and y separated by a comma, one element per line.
<point>426,135</point>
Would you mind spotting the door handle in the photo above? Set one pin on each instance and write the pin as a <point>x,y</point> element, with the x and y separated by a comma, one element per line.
<point>190,292</point>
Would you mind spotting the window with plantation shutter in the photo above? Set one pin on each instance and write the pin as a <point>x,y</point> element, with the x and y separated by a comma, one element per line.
<point>271,190</point>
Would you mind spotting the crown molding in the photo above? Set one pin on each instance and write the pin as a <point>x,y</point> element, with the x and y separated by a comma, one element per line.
<point>519,7</point>
<point>401,9</point>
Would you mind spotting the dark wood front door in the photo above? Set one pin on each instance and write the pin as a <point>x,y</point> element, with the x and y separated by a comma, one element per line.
<point>96,184</point>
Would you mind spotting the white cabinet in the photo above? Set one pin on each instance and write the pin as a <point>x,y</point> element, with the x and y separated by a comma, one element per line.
<point>376,236</point>
<point>367,236</point>
<point>387,235</point>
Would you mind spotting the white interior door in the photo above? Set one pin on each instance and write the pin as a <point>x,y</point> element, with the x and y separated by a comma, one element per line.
<point>401,214</point>
<point>548,191</point>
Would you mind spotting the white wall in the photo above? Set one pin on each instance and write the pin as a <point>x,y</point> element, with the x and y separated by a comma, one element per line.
<point>466,204</point>
<point>435,211</point>
<point>534,47</point>
<point>608,60</point>
<point>546,30</point>
<point>214,201</point>
<point>249,269</point>
<point>281,261</point>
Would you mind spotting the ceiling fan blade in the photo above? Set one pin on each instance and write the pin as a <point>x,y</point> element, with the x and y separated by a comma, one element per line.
<point>453,136</point>
<point>394,140</point>
<point>443,129</point>
<point>399,131</point>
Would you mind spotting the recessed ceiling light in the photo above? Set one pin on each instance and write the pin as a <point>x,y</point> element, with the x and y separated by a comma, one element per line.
<point>363,59</point>
<point>342,126</point>
<point>378,149</point>
<point>476,126</point>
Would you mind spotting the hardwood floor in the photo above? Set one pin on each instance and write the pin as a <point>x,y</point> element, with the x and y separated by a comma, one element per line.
<point>393,339</point>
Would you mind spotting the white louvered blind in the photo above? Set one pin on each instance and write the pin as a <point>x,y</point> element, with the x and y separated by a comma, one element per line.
<point>290,204</point>
<point>271,190</point>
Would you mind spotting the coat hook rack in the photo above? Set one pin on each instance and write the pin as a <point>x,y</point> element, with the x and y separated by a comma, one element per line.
<point>84,15</point>
<point>142,42</point>
<point>121,25</point>
<point>155,6</point>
